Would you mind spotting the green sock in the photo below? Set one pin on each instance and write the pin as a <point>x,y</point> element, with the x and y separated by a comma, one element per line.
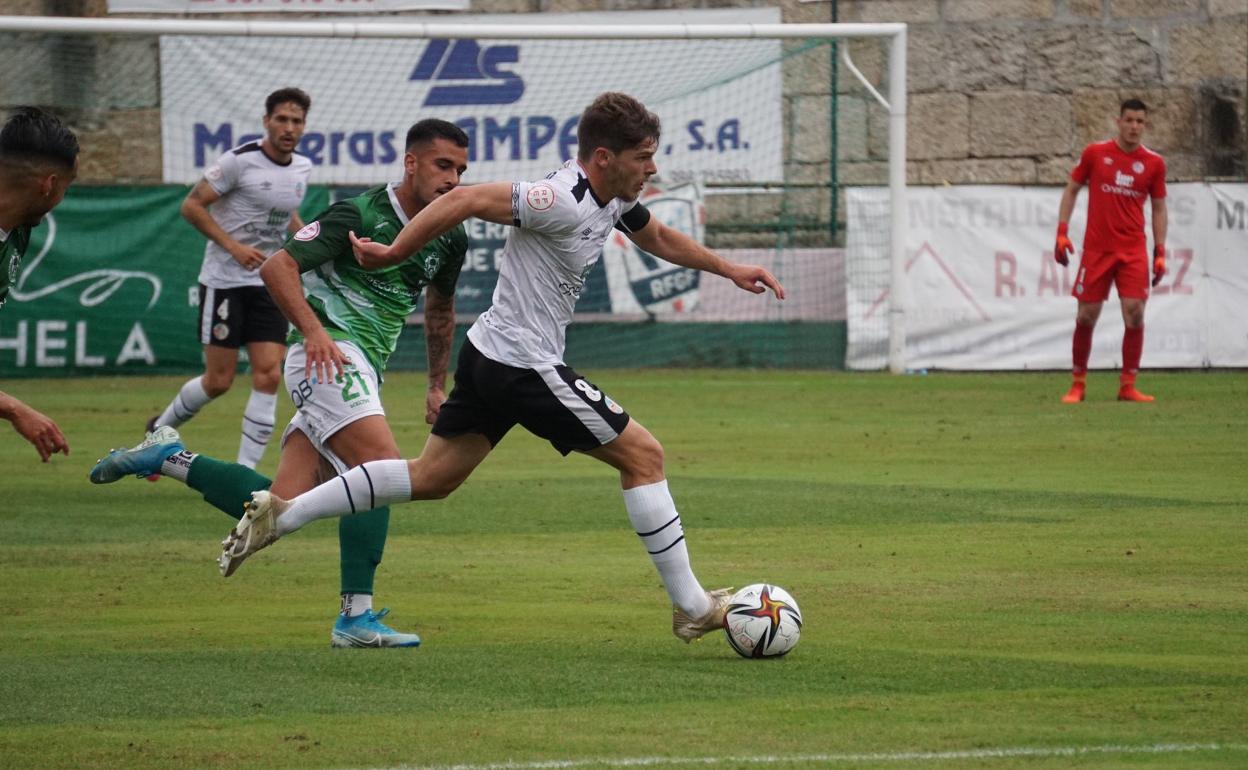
<point>361,540</point>
<point>226,486</point>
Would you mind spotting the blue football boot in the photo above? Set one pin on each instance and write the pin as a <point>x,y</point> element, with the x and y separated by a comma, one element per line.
<point>367,630</point>
<point>142,461</point>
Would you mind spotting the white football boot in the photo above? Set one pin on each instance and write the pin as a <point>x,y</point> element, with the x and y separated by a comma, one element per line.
<point>257,529</point>
<point>688,629</point>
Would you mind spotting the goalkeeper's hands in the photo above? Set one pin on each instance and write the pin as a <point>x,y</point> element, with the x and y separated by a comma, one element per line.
<point>1159,264</point>
<point>1064,249</point>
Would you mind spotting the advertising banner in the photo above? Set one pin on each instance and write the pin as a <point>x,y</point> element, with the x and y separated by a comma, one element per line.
<point>518,100</point>
<point>110,282</point>
<point>985,293</point>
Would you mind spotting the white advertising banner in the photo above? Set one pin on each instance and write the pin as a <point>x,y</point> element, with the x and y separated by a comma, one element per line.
<point>985,293</point>
<point>282,6</point>
<point>518,100</point>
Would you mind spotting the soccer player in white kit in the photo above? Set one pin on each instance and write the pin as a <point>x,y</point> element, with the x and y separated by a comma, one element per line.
<point>511,369</point>
<point>246,205</point>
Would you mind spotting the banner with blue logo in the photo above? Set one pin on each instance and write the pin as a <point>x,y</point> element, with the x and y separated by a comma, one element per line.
<point>518,100</point>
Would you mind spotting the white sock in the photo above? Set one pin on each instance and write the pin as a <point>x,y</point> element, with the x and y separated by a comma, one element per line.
<point>654,517</point>
<point>258,420</point>
<point>186,404</point>
<point>356,604</point>
<point>178,465</point>
<point>363,488</point>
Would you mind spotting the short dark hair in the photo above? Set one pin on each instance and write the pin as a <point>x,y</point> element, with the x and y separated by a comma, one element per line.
<point>431,128</point>
<point>34,137</point>
<point>617,122</point>
<point>283,95</point>
<point>1132,104</point>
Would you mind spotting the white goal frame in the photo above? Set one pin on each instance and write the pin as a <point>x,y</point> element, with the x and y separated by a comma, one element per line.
<point>894,101</point>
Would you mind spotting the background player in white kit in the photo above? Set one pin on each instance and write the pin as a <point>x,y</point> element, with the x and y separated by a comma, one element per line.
<point>511,369</point>
<point>246,205</point>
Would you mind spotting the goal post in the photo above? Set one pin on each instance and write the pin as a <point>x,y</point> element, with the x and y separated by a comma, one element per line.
<point>742,170</point>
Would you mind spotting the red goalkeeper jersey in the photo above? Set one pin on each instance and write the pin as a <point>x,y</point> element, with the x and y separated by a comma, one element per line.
<point>1118,182</point>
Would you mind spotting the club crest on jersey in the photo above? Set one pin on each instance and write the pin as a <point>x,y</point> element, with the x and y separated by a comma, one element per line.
<point>220,331</point>
<point>212,173</point>
<point>309,231</point>
<point>1137,167</point>
<point>540,197</point>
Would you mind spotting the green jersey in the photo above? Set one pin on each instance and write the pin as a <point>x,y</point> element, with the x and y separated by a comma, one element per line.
<point>369,307</point>
<point>11,250</point>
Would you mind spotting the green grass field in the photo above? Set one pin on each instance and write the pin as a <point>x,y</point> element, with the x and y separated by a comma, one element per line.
<point>989,579</point>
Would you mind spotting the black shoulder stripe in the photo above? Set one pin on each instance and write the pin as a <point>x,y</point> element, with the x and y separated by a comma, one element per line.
<point>249,147</point>
<point>634,219</point>
<point>582,187</point>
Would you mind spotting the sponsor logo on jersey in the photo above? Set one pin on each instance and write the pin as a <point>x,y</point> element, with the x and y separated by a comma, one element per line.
<point>540,197</point>
<point>309,231</point>
<point>466,73</point>
<point>1122,186</point>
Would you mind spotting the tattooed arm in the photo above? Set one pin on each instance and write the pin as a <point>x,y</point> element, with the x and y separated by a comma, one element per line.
<point>439,336</point>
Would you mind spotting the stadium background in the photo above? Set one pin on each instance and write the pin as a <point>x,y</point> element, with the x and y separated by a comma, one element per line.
<point>1001,93</point>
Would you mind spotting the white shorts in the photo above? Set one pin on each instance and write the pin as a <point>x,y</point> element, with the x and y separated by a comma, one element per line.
<point>324,408</point>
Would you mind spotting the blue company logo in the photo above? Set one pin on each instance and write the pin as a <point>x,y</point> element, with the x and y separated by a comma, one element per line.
<point>463,63</point>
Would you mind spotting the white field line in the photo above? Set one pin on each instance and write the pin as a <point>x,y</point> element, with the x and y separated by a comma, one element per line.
<point>840,759</point>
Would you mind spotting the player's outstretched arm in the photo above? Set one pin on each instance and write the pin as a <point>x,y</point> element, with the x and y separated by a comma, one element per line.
<point>490,201</point>
<point>33,426</point>
<point>674,246</point>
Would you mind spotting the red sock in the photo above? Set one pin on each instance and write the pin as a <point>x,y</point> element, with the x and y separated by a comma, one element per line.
<point>1132,348</point>
<point>1081,349</point>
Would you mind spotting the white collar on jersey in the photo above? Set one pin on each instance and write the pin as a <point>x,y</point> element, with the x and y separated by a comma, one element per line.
<point>394,203</point>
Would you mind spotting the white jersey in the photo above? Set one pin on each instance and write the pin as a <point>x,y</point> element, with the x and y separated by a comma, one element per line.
<point>559,228</point>
<point>258,198</point>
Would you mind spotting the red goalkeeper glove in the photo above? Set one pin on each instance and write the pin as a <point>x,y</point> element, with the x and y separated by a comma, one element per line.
<point>1064,249</point>
<point>1159,264</point>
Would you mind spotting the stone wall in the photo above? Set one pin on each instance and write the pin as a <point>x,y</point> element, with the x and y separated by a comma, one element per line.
<point>1009,91</point>
<point>1001,91</point>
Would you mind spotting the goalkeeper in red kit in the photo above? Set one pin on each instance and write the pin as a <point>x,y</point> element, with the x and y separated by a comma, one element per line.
<point>1120,173</point>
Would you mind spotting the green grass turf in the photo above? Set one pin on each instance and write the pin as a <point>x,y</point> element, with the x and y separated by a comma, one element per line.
<point>979,567</point>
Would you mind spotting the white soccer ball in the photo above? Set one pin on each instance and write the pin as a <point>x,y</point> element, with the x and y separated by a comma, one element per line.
<point>762,621</point>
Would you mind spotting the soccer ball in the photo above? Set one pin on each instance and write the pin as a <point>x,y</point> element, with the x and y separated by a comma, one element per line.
<point>762,621</point>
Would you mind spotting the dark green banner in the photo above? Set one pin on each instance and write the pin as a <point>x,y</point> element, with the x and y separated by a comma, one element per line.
<point>109,286</point>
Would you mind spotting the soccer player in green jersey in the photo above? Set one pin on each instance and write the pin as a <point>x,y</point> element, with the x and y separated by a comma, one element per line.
<point>38,160</point>
<point>347,321</point>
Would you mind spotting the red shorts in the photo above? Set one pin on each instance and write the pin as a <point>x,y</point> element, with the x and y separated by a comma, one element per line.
<point>1128,270</point>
